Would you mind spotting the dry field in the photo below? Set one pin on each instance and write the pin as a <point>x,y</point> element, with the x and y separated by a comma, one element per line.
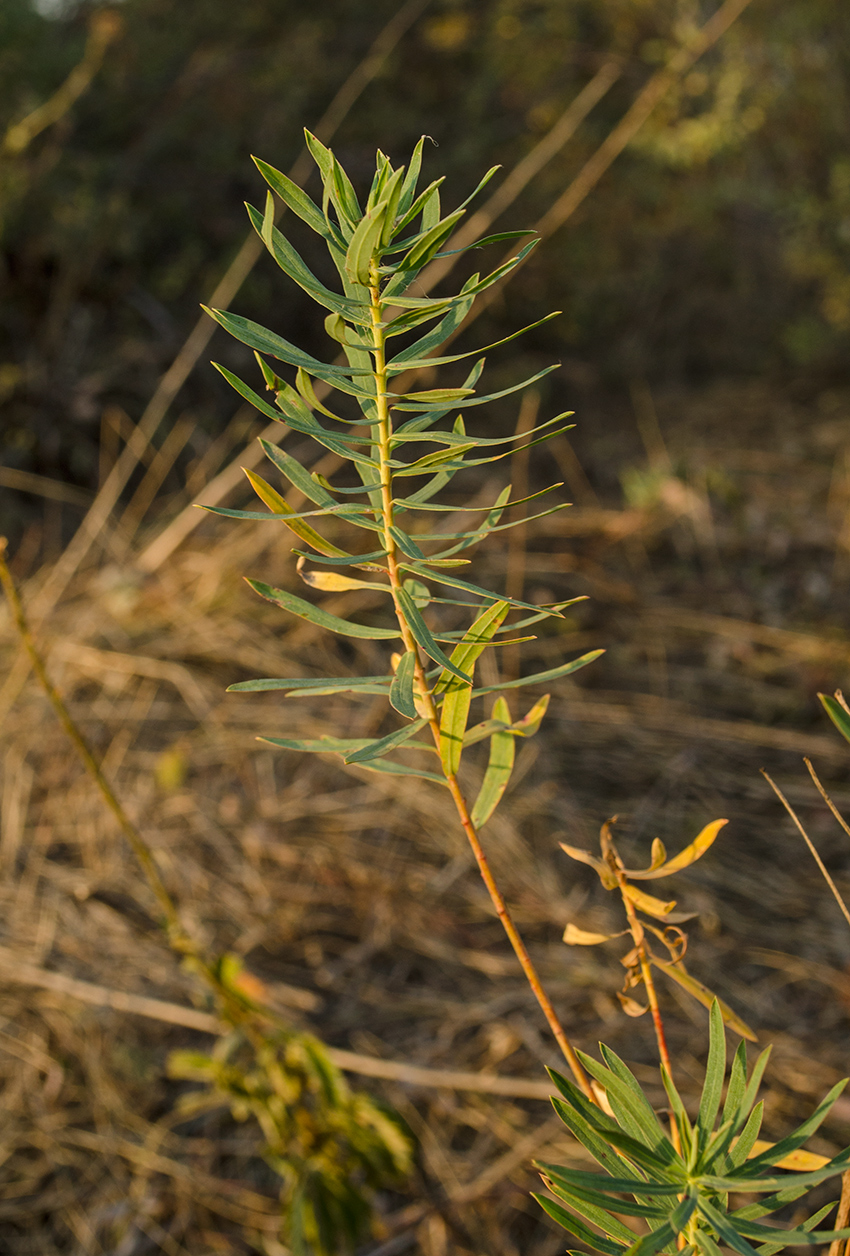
<point>716,558</point>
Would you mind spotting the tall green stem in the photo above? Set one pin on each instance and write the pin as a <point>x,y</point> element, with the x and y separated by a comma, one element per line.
<point>426,700</point>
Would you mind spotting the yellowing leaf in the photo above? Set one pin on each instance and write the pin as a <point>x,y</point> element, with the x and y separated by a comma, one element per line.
<point>280,506</point>
<point>678,973</point>
<point>630,1006</point>
<point>800,1161</point>
<point>646,903</point>
<point>657,856</point>
<point>529,724</point>
<point>685,858</point>
<point>333,582</point>
<point>573,936</point>
<point>499,768</point>
<point>601,868</point>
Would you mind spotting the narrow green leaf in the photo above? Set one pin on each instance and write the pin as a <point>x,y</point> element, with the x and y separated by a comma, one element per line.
<point>631,1108</point>
<point>499,768</point>
<point>426,464</point>
<point>715,1071</point>
<point>542,677</point>
<point>297,475</point>
<point>392,195</point>
<point>420,593</point>
<point>377,749</point>
<point>453,719</point>
<point>790,1238</point>
<point>726,1231</point>
<point>801,1135</point>
<point>583,1203</point>
<point>405,543</point>
<point>755,1080</point>
<point>737,1084</point>
<point>837,713</point>
<point>621,1185</point>
<point>678,1109</point>
<point>306,390</point>
<point>485,240</point>
<point>294,198</point>
<point>578,1228</point>
<point>454,583</point>
<point>346,195</point>
<point>400,769</point>
<point>424,406</point>
<point>293,265</point>
<point>352,683</point>
<point>364,244</point>
<point>422,635</point>
<point>265,341</point>
<point>280,506</point>
<point>751,1180</point>
<point>336,328</point>
<point>318,745</point>
<point>433,338</point>
<point>315,615</point>
<point>430,241</point>
<point>587,1135</point>
<point>411,358</point>
<point>401,690</point>
<point>248,393</point>
<point>408,189</point>
<point>418,206</point>
<point>475,639</point>
<point>570,1192</point>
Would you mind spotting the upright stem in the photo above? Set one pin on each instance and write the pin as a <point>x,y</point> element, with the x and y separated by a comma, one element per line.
<point>428,706</point>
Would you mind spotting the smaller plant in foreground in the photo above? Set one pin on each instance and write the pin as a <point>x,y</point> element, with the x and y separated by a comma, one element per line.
<point>681,1193</point>
<point>330,1146</point>
<point>641,959</point>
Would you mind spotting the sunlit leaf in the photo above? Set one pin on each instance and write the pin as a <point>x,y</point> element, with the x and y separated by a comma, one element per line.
<point>676,972</point>
<point>836,709</point>
<point>280,506</point>
<point>315,614</point>
<point>401,690</point>
<point>685,858</point>
<point>605,874</point>
<point>369,684</point>
<point>646,903</point>
<point>499,768</point>
<point>333,582</point>
<point>573,936</point>
<point>383,745</point>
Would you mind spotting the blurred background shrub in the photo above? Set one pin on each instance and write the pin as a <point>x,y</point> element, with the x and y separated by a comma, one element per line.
<point>716,246</point>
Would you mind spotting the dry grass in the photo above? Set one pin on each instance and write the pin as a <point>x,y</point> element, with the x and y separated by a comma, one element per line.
<point>718,592</point>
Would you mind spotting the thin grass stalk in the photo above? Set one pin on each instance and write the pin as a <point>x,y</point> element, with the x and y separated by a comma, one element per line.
<point>825,796</point>
<point>824,872</point>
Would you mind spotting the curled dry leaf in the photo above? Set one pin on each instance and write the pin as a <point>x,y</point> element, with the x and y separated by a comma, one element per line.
<point>646,903</point>
<point>684,859</point>
<point>573,936</point>
<point>606,876</point>
<point>630,1006</point>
